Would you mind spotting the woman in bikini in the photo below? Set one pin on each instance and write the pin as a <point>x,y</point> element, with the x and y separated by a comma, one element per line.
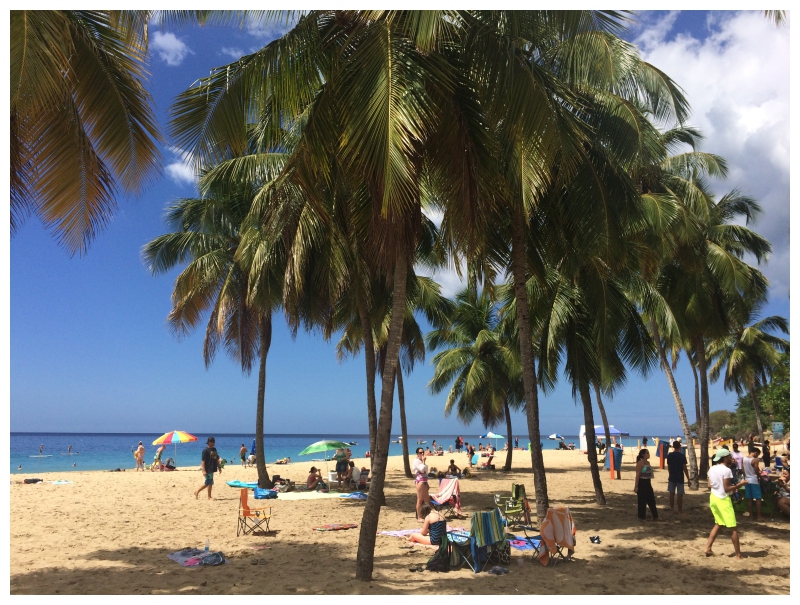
<point>433,528</point>
<point>420,470</point>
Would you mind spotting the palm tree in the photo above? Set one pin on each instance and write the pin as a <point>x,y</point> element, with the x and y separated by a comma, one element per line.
<point>749,355</point>
<point>82,122</point>
<point>208,234</point>
<point>479,360</point>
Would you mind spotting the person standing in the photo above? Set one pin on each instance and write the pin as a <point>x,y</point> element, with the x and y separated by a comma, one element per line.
<point>41,449</point>
<point>209,464</point>
<point>140,457</point>
<point>737,457</point>
<point>720,482</point>
<point>516,442</point>
<point>678,469</point>
<point>459,444</point>
<point>643,486</point>
<point>420,470</point>
<point>644,441</point>
<point>470,454</point>
<point>767,457</point>
<point>243,454</point>
<point>69,450</point>
<point>752,488</point>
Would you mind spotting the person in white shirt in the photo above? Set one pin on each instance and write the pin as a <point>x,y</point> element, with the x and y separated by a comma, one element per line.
<point>752,489</point>
<point>737,456</point>
<point>420,470</point>
<point>720,482</point>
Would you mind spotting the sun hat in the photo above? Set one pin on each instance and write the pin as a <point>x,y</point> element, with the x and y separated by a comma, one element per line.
<point>721,453</point>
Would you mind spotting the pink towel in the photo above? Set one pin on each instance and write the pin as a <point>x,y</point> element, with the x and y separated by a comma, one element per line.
<point>449,489</point>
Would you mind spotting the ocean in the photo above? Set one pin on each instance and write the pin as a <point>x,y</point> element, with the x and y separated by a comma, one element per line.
<point>107,451</point>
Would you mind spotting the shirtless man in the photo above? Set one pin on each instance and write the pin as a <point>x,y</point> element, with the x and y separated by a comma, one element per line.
<point>243,455</point>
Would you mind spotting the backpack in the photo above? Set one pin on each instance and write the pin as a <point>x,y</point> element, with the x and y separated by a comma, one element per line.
<point>440,561</point>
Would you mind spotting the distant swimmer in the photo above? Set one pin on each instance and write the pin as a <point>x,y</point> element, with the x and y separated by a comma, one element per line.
<point>19,468</point>
<point>74,464</point>
<point>69,450</point>
<point>41,449</point>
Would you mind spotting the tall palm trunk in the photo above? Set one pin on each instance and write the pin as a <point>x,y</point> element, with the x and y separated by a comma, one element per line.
<point>369,355</point>
<point>507,466</point>
<point>705,427</point>
<point>403,429</point>
<point>693,480</point>
<point>757,410</point>
<point>602,409</point>
<point>518,267</point>
<point>265,340</point>
<point>372,508</point>
<point>591,440</point>
<point>697,415</point>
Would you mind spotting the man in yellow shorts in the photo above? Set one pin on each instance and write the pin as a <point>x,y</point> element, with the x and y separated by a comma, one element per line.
<point>720,482</point>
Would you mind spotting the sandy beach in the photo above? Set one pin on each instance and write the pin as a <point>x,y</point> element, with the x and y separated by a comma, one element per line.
<point>110,533</point>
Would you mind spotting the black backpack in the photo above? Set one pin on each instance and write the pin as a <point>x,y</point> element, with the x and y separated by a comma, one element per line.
<point>440,561</point>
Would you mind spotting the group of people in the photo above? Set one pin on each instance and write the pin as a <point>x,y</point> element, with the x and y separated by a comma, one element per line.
<point>730,471</point>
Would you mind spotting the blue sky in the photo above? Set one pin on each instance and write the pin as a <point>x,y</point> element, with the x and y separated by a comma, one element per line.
<point>90,350</point>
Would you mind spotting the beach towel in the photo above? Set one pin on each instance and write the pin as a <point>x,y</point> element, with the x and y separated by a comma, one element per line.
<point>488,527</point>
<point>335,526</point>
<point>60,482</point>
<point>306,495</point>
<point>399,533</point>
<point>558,530</point>
<point>194,557</point>
<point>521,543</point>
<point>449,489</point>
<point>355,496</point>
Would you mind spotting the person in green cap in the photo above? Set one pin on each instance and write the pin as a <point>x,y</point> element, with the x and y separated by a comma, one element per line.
<point>720,482</point>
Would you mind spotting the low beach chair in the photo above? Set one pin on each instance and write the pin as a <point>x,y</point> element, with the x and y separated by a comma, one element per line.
<point>448,499</point>
<point>557,535</point>
<point>485,544</point>
<point>252,519</point>
<point>515,508</point>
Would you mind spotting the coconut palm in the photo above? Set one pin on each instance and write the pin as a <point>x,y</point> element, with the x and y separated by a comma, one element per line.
<point>208,233</point>
<point>749,355</point>
<point>479,360</point>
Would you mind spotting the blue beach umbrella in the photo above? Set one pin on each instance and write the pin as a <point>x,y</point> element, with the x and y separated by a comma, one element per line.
<point>556,436</point>
<point>491,435</point>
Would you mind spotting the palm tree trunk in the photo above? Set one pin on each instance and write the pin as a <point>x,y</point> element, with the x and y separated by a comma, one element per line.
<point>265,340</point>
<point>602,414</point>
<point>507,466</point>
<point>697,415</point>
<point>758,415</point>
<point>693,480</point>
<point>518,267</point>
<point>591,440</point>
<point>369,354</point>
<point>403,429</point>
<point>705,427</point>
<point>372,508</point>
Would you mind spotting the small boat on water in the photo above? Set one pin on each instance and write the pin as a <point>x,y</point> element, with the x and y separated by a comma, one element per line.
<point>395,441</point>
<point>421,441</point>
<point>351,442</point>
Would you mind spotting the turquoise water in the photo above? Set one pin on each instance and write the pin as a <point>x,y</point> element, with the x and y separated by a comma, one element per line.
<point>106,451</point>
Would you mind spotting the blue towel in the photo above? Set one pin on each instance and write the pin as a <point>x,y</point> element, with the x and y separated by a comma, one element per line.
<point>355,496</point>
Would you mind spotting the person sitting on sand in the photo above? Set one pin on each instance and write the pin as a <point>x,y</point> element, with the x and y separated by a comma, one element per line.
<point>453,469</point>
<point>720,482</point>
<point>314,480</point>
<point>353,474</point>
<point>433,529</point>
<point>782,497</point>
<point>243,454</point>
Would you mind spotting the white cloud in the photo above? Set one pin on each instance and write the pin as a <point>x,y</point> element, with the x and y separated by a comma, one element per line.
<point>737,81</point>
<point>235,53</point>
<point>181,171</point>
<point>169,48</point>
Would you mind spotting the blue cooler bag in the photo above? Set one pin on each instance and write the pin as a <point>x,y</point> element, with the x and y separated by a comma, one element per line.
<point>264,494</point>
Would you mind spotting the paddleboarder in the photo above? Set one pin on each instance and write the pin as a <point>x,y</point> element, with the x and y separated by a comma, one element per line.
<point>41,448</point>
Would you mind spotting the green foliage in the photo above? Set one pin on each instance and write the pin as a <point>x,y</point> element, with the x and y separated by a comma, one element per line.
<point>775,396</point>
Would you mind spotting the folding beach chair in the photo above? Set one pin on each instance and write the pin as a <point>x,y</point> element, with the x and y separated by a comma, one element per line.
<point>448,500</point>
<point>515,509</point>
<point>556,536</point>
<point>485,544</point>
<point>251,519</point>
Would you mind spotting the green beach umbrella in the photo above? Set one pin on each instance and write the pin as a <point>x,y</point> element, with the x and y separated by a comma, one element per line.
<point>325,445</point>
<point>491,435</point>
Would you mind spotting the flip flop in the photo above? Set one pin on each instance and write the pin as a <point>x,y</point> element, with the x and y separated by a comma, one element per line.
<point>253,561</point>
<point>262,561</point>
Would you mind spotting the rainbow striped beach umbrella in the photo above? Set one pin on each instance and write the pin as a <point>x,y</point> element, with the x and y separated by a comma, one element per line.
<point>175,437</point>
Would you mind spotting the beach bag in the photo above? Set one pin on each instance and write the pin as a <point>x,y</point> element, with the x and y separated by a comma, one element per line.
<point>440,561</point>
<point>263,493</point>
<point>501,555</point>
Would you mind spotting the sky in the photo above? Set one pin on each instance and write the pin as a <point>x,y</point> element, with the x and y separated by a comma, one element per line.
<point>90,350</point>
